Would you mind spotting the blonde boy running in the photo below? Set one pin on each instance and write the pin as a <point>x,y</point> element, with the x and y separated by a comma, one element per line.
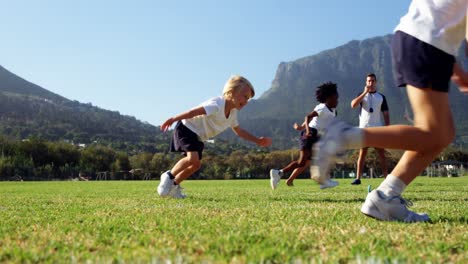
<point>202,123</point>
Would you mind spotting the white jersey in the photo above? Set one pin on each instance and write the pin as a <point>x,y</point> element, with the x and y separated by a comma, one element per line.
<point>440,23</point>
<point>372,105</point>
<point>214,122</point>
<point>325,116</point>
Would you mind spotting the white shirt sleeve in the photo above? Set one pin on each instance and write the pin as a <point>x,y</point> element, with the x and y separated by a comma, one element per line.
<point>319,108</point>
<point>234,122</point>
<point>211,106</point>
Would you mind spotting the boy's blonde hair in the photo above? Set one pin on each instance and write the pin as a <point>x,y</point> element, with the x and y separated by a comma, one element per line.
<point>235,83</point>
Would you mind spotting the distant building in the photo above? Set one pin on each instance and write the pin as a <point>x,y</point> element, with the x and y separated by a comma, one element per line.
<point>449,168</point>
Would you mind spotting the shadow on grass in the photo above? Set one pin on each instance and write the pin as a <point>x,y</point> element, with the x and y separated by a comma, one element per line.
<point>435,199</point>
<point>201,200</point>
<point>323,200</point>
<point>451,220</point>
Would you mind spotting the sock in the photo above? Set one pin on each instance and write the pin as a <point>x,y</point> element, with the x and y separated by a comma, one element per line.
<point>354,138</point>
<point>170,175</point>
<point>392,186</point>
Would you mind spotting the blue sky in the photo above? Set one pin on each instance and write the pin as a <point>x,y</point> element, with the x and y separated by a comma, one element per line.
<point>156,59</point>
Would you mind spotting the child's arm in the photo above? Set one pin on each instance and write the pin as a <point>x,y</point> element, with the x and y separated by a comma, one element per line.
<point>186,115</point>
<point>307,120</point>
<point>386,116</point>
<point>261,141</point>
<point>460,77</point>
<point>466,35</point>
<point>299,127</point>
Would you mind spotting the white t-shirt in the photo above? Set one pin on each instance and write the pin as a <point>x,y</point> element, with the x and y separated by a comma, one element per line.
<point>440,23</point>
<point>325,116</point>
<point>372,118</point>
<point>214,122</point>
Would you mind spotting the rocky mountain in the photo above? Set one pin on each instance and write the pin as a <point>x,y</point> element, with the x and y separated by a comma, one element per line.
<point>292,93</point>
<point>28,110</point>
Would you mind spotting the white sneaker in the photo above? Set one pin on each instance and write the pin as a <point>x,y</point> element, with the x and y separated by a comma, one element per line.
<point>328,184</point>
<point>165,185</point>
<point>331,147</point>
<point>176,192</point>
<point>275,177</point>
<point>378,206</point>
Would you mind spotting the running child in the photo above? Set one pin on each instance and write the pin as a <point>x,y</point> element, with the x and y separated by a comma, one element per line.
<point>424,47</point>
<point>313,126</point>
<point>202,123</point>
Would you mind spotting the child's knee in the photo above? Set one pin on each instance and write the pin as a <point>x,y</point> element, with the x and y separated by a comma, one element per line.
<point>445,141</point>
<point>441,140</point>
<point>447,136</point>
<point>196,163</point>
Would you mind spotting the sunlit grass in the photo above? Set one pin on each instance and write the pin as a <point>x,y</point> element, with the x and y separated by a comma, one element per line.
<point>226,221</point>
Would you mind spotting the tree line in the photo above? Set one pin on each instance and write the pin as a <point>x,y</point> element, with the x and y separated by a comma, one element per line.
<point>24,116</point>
<point>38,159</point>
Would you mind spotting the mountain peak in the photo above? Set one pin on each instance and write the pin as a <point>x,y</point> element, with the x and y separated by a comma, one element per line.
<point>292,93</point>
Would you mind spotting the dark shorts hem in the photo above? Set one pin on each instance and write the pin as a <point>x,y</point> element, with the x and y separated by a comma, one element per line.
<point>306,142</point>
<point>185,140</point>
<point>420,64</point>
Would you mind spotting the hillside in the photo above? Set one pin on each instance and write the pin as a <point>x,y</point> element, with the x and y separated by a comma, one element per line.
<point>292,93</point>
<point>29,110</point>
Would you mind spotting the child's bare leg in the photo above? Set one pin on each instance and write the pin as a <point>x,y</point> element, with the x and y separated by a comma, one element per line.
<point>304,155</point>
<point>186,167</point>
<point>433,130</point>
<point>296,172</point>
<point>360,162</point>
<point>291,166</point>
<point>383,161</point>
<point>183,175</point>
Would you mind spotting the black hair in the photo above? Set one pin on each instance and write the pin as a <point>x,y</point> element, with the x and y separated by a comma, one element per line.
<point>372,75</point>
<point>325,90</point>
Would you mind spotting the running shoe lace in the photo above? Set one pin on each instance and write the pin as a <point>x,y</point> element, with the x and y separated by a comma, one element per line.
<point>406,203</point>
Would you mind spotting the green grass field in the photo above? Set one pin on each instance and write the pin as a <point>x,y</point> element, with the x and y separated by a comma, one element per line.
<point>240,221</point>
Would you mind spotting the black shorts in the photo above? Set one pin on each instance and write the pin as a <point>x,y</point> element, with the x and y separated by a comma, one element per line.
<point>185,140</point>
<point>419,64</point>
<point>306,143</point>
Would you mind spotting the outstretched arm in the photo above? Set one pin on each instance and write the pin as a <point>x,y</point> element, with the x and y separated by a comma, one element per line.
<point>261,141</point>
<point>189,114</point>
<point>466,34</point>
<point>299,127</point>
<point>460,77</point>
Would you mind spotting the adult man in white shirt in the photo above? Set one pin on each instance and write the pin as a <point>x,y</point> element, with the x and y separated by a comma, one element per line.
<point>371,103</point>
